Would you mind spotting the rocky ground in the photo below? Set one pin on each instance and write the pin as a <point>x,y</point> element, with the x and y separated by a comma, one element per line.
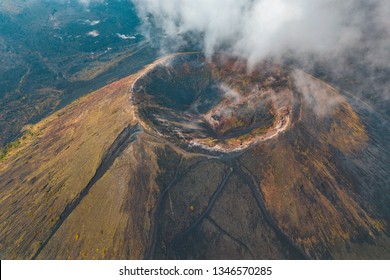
<point>99,180</point>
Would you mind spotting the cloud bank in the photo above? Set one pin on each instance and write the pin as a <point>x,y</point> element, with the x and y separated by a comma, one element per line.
<point>255,29</point>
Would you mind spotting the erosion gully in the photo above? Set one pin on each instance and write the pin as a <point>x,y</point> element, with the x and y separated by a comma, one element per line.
<point>125,138</point>
<point>234,166</point>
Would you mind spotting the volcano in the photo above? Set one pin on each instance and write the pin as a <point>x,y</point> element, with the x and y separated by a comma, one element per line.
<point>214,105</point>
<point>195,158</point>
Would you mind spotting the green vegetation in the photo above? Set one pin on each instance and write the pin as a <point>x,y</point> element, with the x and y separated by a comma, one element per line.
<point>10,146</point>
<point>4,151</point>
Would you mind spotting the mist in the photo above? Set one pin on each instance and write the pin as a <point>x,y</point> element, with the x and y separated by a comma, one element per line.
<point>343,36</point>
<point>255,29</point>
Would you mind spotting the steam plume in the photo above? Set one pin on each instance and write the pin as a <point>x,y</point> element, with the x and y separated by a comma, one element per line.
<point>255,29</point>
<point>322,30</point>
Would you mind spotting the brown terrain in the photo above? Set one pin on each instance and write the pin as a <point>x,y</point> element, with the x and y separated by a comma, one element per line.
<point>275,166</point>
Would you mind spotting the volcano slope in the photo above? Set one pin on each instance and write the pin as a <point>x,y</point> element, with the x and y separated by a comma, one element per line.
<point>198,159</point>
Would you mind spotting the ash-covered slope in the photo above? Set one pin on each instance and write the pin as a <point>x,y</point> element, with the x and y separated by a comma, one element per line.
<point>197,159</point>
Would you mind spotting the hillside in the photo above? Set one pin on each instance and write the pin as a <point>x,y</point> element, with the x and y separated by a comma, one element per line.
<point>116,174</point>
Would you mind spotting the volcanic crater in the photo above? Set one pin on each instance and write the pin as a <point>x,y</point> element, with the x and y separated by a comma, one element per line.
<point>216,105</point>
<point>207,160</point>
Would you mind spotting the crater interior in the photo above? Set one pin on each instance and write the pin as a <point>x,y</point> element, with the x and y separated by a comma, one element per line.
<point>215,104</point>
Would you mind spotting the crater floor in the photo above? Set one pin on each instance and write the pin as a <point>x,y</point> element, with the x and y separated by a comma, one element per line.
<point>215,105</point>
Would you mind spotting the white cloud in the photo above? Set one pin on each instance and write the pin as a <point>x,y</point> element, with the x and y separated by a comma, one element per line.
<point>255,29</point>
